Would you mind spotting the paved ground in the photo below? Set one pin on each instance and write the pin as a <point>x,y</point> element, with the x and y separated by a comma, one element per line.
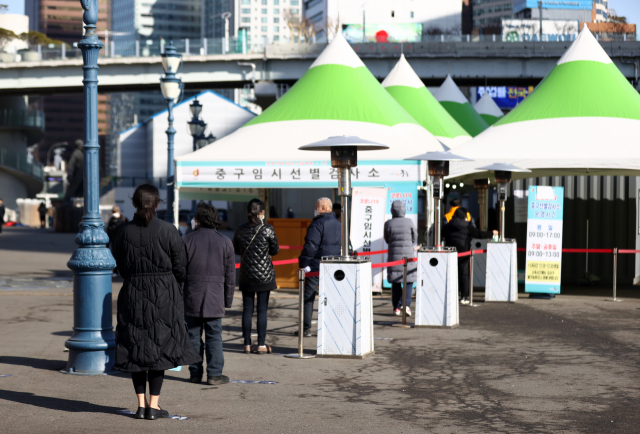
<point>569,365</point>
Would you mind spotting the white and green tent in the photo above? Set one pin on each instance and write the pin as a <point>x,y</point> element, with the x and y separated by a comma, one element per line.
<point>336,96</point>
<point>488,109</point>
<point>405,86</point>
<point>459,107</point>
<point>582,119</point>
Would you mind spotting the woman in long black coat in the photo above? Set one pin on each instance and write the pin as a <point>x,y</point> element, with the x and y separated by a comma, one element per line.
<point>151,335</point>
<point>256,242</point>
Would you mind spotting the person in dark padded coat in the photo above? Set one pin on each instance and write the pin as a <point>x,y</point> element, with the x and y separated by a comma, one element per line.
<point>401,237</point>
<point>208,290</point>
<point>151,335</point>
<point>322,239</point>
<point>458,233</point>
<point>256,242</point>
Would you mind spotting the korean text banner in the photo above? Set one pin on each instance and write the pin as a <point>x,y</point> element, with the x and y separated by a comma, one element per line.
<point>367,225</point>
<point>586,5</point>
<point>507,97</point>
<point>296,174</point>
<point>544,239</point>
<point>390,32</point>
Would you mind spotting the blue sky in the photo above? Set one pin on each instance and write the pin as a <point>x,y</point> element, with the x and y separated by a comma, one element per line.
<point>627,8</point>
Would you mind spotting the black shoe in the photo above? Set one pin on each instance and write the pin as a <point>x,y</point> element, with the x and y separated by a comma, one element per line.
<point>154,413</point>
<point>306,333</point>
<point>214,381</point>
<point>195,379</point>
<point>140,413</point>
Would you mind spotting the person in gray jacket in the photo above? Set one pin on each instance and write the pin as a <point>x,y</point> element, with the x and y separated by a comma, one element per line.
<point>401,237</point>
<point>208,291</point>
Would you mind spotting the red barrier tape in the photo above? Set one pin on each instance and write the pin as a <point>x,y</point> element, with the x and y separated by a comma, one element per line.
<point>291,247</point>
<point>475,252</point>
<point>628,251</point>
<point>388,264</point>
<point>377,252</point>
<point>587,250</point>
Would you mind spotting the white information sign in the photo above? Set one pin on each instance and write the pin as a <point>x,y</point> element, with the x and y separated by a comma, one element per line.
<point>520,206</point>
<point>367,225</point>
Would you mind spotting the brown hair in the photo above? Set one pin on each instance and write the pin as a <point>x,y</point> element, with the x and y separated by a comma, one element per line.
<point>146,199</point>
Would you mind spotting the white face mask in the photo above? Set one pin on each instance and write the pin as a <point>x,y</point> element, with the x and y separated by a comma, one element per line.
<point>315,213</point>
<point>116,215</point>
<point>194,225</point>
<point>261,217</point>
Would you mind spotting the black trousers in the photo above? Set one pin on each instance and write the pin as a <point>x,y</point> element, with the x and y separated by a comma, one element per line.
<point>463,276</point>
<point>140,382</point>
<point>247,313</point>
<point>310,292</point>
<point>396,294</point>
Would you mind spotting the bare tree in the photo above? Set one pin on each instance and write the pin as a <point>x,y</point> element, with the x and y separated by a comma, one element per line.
<point>299,28</point>
<point>332,28</point>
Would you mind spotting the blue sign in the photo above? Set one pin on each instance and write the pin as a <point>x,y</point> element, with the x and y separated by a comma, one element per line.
<point>544,239</point>
<point>507,97</point>
<point>519,5</point>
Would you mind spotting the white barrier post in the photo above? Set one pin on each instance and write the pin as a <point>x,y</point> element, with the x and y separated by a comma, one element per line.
<point>300,354</point>
<point>615,274</point>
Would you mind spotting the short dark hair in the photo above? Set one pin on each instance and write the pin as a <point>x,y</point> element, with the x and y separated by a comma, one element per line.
<point>207,216</point>
<point>146,199</point>
<point>455,202</point>
<point>254,208</point>
<point>461,213</point>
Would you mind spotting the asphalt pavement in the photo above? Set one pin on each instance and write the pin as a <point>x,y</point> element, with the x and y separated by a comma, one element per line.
<point>567,365</point>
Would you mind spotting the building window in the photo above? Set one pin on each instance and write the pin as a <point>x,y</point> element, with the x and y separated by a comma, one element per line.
<point>246,19</point>
<point>276,20</point>
<point>276,11</point>
<point>276,2</point>
<point>264,2</point>
<point>295,11</point>
<point>246,10</point>
<point>264,11</point>
<point>317,17</point>
<point>393,14</point>
<point>276,29</point>
<point>264,20</point>
<point>276,38</point>
<point>246,2</point>
<point>264,28</point>
<point>294,3</point>
<point>411,14</point>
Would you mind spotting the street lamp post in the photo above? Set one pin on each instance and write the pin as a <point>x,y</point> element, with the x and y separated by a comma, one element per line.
<point>92,344</point>
<point>171,88</point>
<point>196,128</point>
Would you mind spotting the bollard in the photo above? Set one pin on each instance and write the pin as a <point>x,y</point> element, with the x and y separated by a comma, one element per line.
<point>404,297</point>
<point>471,280</point>
<point>615,274</point>
<point>300,354</point>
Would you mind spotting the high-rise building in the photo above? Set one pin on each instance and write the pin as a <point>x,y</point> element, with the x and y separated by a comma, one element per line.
<point>64,114</point>
<point>273,20</point>
<point>578,10</point>
<point>488,15</point>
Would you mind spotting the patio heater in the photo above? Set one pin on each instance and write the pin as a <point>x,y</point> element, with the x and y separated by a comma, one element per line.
<point>345,307</point>
<point>501,281</point>
<point>437,293</point>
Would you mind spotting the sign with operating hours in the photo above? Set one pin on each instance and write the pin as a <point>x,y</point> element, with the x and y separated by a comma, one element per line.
<point>291,173</point>
<point>544,239</point>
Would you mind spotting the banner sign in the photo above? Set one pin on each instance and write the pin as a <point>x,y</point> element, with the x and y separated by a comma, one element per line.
<point>529,30</point>
<point>300,174</point>
<point>544,239</point>
<point>507,97</point>
<point>383,33</point>
<point>583,5</point>
<point>367,224</point>
<point>408,193</point>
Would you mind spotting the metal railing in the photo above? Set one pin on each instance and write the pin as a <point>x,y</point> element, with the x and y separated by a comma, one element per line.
<point>11,118</point>
<point>240,45</point>
<point>19,161</point>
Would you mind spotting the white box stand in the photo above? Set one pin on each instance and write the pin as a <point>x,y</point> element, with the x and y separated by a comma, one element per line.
<point>502,272</point>
<point>345,309</point>
<point>437,294</point>
<point>479,263</point>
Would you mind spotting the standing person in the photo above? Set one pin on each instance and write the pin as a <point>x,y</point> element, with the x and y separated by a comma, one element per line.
<point>151,336</point>
<point>42,210</point>
<point>454,204</point>
<point>1,216</point>
<point>115,223</point>
<point>322,239</point>
<point>458,233</point>
<point>208,290</point>
<point>401,237</point>
<point>256,242</point>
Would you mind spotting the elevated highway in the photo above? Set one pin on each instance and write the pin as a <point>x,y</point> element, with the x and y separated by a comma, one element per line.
<point>470,63</point>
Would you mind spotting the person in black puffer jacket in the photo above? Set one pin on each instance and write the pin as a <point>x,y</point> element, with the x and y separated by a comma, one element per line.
<point>323,239</point>
<point>256,242</point>
<point>151,335</point>
<point>458,233</point>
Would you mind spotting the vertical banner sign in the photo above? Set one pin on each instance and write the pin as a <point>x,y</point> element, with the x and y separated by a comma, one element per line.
<point>544,239</point>
<point>367,225</point>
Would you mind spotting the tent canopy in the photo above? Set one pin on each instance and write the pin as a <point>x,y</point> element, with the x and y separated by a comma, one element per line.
<point>406,87</point>
<point>582,119</point>
<point>336,96</point>
<point>488,109</point>
<point>459,107</point>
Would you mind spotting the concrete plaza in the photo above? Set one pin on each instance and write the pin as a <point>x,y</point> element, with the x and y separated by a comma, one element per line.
<point>568,365</point>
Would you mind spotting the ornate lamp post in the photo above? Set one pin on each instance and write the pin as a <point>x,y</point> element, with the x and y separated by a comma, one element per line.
<point>171,87</point>
<point>92,345</point>
<point>196,128</point>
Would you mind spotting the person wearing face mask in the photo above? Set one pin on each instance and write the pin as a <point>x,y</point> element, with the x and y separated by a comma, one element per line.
<point>115,223</point>
<point>255,241</point>
<point>208,291</point>
<point>322,239</point>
